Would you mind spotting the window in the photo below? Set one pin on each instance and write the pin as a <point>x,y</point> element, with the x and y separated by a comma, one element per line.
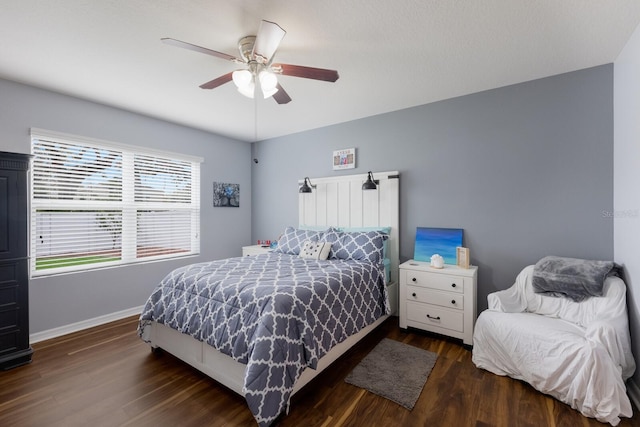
<point>97,204</point>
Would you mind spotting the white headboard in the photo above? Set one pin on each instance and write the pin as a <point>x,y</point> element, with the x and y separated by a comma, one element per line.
<point>340,201</point>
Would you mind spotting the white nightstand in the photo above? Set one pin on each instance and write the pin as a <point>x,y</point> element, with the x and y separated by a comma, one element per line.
<point>255,250</point>
<point>441,300</point>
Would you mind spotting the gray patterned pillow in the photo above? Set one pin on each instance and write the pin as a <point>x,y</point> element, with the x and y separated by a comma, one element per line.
<point>292,240</point>
<point>360,246</point>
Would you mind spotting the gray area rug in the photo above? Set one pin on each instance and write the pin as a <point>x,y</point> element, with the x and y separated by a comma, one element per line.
<point>394,370</point>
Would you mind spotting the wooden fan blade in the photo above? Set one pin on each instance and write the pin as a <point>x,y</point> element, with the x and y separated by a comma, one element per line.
<point>306,72</point>
<point>281,96</point>
<point>185,45</point>
<point>267,41</point>
<point>217,82</point>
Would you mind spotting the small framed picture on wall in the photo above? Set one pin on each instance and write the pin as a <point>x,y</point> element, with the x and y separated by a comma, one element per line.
<point>462,257</point>
<point>344,159</point>
<point>226,195</point>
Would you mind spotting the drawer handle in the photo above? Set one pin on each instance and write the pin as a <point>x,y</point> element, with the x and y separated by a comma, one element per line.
<point>433,318</point>
<point>453,285</point>
<point>453,301</point>
<point>414,280</point>
<point>414,295</point>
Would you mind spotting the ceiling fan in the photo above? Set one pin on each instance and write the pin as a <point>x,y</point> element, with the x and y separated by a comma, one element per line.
<point>256,54</point>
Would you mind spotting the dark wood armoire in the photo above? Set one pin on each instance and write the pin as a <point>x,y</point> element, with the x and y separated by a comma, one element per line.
<point>15,349</point>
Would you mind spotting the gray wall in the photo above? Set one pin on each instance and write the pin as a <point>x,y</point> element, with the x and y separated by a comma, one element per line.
<point>526,171</point>
<point>71,298</point>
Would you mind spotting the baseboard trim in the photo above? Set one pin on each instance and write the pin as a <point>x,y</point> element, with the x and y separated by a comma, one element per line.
<point>634,393</point>
<point>85,324</point>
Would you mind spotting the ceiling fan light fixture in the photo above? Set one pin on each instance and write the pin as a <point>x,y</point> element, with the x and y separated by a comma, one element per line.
<point>242,78</point>
<point>268,80</point>
<point>267,93</point>
<point>248,90</point>
<point>256,54</point>
<point>268,83</point>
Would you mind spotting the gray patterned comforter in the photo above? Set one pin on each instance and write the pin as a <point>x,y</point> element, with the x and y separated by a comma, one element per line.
<point>276,313</point>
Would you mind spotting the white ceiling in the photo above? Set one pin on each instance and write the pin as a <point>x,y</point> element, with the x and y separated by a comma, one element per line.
<point>391,54</point>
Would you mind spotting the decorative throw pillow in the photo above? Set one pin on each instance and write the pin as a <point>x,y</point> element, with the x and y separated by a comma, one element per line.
<point>292,239</point>
<point>315,250</point>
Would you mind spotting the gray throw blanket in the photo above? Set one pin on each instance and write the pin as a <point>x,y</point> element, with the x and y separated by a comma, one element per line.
<point>576,279</point>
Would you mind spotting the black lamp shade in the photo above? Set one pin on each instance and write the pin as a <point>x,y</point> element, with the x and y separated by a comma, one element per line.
<point>370,183</point>
<point>306,186</point>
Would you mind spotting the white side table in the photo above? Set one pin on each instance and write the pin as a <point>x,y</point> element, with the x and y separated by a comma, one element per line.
<point>255,250</point>
<point>441,300</point>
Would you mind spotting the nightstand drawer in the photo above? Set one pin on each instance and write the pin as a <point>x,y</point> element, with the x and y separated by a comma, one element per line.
<point>443,299</point>
<point>443,282</point>
<point>432,315</point>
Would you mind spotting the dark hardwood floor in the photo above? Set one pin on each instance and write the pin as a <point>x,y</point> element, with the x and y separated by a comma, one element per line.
<point>106,376</point>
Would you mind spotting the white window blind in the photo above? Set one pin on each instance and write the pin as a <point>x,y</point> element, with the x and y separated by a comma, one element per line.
<point>96,204</point>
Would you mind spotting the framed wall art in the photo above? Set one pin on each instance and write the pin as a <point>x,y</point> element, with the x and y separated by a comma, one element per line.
<point>226,195</point>
<point>441,241</point>
<point>344,159</point>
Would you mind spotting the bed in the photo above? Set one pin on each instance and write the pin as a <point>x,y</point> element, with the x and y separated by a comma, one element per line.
<point>281,317</point>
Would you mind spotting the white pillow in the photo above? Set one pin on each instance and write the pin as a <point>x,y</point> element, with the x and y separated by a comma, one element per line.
<point>315,250</point>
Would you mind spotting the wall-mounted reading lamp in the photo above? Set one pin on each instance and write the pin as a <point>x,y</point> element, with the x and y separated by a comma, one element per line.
<point>306,186</point>
<point>370,183</point>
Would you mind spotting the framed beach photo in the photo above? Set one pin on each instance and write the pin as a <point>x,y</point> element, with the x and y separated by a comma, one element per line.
<point>441,241</point>
<point>344,159</point>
